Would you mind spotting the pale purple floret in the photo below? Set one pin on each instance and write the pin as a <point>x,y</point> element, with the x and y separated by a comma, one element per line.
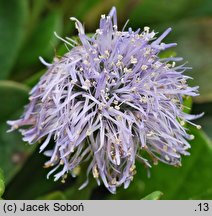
<point>107,101</point>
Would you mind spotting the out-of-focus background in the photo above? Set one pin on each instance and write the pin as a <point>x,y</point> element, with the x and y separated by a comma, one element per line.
<point>27,32</point>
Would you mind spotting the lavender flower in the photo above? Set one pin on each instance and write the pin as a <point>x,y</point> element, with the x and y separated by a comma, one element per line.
<point>107,101</point>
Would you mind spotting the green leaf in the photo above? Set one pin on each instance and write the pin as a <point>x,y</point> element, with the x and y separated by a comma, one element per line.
<point>13,16</point>
<point>56,195</point>
<point>13,97</point>
<point>13,151</point>
<point>2,186</point>
<point>156,195</point>
<point>42,41</point>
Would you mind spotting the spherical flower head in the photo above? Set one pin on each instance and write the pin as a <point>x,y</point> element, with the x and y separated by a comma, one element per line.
<point>107,101</point>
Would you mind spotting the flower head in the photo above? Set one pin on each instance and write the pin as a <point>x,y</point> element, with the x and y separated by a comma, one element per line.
<point>108,100</point>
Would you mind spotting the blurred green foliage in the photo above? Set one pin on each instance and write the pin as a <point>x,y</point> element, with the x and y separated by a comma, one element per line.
<point>2,187</point>
<point>27,31</point>
<point>13,18</point>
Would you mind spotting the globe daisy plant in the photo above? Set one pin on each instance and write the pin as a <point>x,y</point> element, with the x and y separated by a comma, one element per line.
<point>109,101</point>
